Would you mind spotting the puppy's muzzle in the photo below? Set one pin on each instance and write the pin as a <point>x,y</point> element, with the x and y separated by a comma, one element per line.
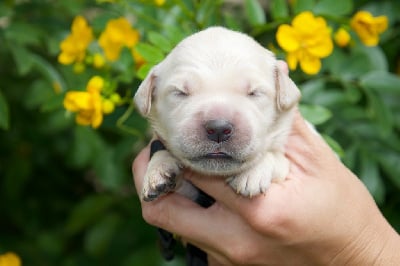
<point>218,130</point>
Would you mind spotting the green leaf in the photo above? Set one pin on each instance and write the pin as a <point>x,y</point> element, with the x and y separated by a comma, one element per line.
<point>254,12</point>
<point>49,71</point>
<point>143,71</point>
<point>330,98</point>
<point>22,58</point>
<point>4,113</point>
<point>87,143</point>
<point>53,103</point>
<point>98,238</point>
<point>370,176</point>
<point>381,82</point>
<point>303,5</point>
<point>335,146</point>
<point>160,41</point>
<point>279,9</point>
<point>311,88</point>
<point>23,33</point>
<point>88,212</point>
<point>376,56</point>
<point>352,93</point>
<point>205,12</point>
<point>334,8</point>
<point>389,161</point>
<point>354,66</point>
<point>42,95</point>
<point>175,34</point>
<point>150,53</point>
<point>107,170</point>
<point>315,114</point>
<point>232,22</point>
<point>381,112</point>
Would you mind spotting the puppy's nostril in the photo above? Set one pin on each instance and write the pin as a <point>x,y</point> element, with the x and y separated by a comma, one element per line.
<point>218,130</point>
<point>210,131</point>
<point>227,131</point>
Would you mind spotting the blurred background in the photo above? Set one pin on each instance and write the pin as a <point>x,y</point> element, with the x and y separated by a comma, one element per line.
<point>69,131</point>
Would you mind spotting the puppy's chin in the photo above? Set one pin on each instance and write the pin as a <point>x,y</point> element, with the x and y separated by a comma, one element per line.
<point>216,164</point>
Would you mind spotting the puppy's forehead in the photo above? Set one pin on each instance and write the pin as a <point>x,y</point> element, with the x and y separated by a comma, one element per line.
<point>219,49</point>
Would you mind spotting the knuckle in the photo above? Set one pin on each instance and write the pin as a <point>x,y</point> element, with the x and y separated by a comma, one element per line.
<point>242,254</point>
<point>274,223</point>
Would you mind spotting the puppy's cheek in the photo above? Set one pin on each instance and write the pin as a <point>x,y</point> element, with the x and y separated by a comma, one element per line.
<point>188,140</point>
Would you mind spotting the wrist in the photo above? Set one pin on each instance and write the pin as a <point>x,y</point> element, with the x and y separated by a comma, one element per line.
<point>376,244</point>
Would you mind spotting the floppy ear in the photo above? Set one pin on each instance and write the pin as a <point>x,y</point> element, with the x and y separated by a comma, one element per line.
<point>144,93</point>
<point>287,93</point>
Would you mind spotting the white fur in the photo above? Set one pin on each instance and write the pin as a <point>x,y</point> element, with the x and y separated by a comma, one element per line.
<point>220,74</point>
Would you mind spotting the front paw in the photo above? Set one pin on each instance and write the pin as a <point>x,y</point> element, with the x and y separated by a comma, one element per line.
<point>257,180</point>
<point>250,185</point>
<point>161,177</point>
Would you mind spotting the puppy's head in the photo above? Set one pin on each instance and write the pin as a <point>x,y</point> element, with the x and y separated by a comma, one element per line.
<point>219,101</point>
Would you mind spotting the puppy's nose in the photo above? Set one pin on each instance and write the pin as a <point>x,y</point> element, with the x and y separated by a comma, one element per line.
<point>218,130</point>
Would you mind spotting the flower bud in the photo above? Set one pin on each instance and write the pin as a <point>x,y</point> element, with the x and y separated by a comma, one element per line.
<point>108,106</point>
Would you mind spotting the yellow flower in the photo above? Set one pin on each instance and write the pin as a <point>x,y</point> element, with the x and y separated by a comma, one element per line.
<point>118,34</point>
<point>87,104</point>
<point>73,47</point>
<point>79,67</point>
<point>115,98</point>
<point>159,2</point>
<point>10,259</point>
<point>108,106</point>
<point>98,60</point>
<point>368,27</point>
<point>95,84</point>
<point>138,58</point>
<point>342,37</point>
<point>306,41</point>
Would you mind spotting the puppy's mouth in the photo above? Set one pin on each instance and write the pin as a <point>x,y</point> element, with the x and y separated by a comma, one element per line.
<point>217,155</point>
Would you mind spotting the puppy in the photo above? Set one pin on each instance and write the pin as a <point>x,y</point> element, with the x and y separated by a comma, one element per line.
<point>222,107</point>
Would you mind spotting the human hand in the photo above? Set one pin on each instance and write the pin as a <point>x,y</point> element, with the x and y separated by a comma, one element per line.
<point>320,214</point>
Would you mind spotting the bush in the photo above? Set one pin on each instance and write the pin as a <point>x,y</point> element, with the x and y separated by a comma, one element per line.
<point>69,130</point>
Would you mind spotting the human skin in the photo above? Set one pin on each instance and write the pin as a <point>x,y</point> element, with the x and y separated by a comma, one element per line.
<point>321,214</point>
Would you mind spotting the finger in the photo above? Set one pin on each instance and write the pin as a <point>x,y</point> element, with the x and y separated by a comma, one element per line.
<point>305,146</point>
<point>139,167</point>
<point>204,228</point>
<point>177,214</point>
<point>215,186</point>
<point>225,195</point>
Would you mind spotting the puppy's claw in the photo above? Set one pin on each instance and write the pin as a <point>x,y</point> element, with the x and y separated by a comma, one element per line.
<point>150,197</point>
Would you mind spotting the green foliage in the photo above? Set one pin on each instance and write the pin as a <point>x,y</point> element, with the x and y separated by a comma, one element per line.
<point>66,191</point>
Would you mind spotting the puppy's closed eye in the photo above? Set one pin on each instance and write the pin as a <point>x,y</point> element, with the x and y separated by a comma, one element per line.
<point>178,92</point>
<point>254,93</point>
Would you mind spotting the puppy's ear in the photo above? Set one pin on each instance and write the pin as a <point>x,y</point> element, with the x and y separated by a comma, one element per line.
<point>144,93</point>
<point>287,93</point>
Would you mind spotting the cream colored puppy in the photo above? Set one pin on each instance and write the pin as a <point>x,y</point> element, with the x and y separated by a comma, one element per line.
<point>222,107</point>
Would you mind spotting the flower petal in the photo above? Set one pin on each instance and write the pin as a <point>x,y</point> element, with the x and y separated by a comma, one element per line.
<point>381,23</point>
<point>310,64</point>
<point>287,38</point>
<point>321,49</point>
<point>75,101</point>
<point>292,60</point>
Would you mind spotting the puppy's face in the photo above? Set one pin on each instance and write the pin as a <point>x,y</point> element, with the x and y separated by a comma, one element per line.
<point>218,102</point>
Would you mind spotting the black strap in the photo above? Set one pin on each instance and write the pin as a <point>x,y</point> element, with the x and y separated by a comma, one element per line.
<point>156,146</point>
<point>167,242</point>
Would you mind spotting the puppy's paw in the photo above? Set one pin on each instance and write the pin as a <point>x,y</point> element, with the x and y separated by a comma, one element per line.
<point>250,184</point>
<point>257,180</point>
<point>161,176</point>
